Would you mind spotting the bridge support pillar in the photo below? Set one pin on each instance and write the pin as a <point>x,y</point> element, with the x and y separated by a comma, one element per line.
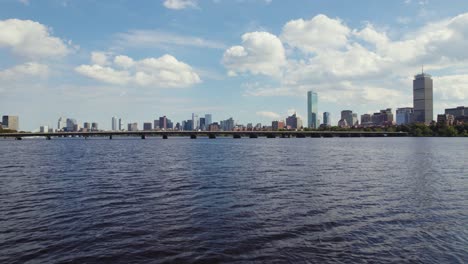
<point>212,136</point>
<point>143,137</point>
<point>253,136</point>
<point>164,136</point>
<point>193,136</point>
<point>236,136</point>
<point>110,137</point>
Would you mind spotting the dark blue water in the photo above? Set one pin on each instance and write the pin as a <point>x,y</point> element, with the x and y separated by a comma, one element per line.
<point>346,200</point>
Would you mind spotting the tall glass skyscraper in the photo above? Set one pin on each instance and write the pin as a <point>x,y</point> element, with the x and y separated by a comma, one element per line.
<point>422,99</point>
<point>312,109</point>
<point>326,119</point>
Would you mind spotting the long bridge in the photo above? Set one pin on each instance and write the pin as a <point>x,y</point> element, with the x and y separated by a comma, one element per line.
<point>209,134</point>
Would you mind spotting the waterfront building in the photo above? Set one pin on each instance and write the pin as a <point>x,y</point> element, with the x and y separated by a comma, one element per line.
<point>156,124</point>
<point>169,124</point>
<point>446,119</point>
<point>383,118</point>
<point>163,123</point>
<point>132,127</point>
<point>147,126</point>
<point>121,124</point>
<point>227,125</point>
<point>10,122</point>
<point>423,98</point>
<point>293,122</point>
<point>87,125</point>
<point>258,126</point>
<point>208,119</point>
<point>71,122</point>
<point>62,124</point>
<point>195,120</point>
<point>366,118</point>
<point>188,125</point>
<point>249,127</point>
<point>44,129</point>
<point>343,123</point>
<point>213,127</point>
<point>277,125</point>
<point>457,112</point>
<point>202,123</point>
<point>355,120</point>
<point>114,123</point>
<point>326,119</point>
<point>312,109</point>
<point>348,116</point>
<point>76,128</point>
<point>94,126</point>
<point>404,115</point>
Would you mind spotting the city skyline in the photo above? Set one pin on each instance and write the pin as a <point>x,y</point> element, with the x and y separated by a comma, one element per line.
<point>142,62</point>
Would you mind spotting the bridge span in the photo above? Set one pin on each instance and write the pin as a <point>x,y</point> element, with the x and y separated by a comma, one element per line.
<point>209,134</point>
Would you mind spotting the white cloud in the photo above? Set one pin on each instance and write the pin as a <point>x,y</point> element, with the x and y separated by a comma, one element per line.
<point>30,39</point>
<point>151,38</point>
<point>99,58</point>
<point>260,53</point>
<point>316,34</point>
<point>26,70</point>
<point>162,72</point>
<point>269,114</point>
<point>180,4</point>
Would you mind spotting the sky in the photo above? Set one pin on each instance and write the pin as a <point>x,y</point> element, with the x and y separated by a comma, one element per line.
<point>253,60</point>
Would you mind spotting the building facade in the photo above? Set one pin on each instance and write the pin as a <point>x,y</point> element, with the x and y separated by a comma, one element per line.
<point>293,122</point>
<point>423,99</point>
<point>277,125</point>
<point>147,126</point>
<point>326,119</point>
<point>10,122</point>
<point>312,109</point>
<point>404,115</point>
<point>208,119</point>
<point>114,123</point>
<point>348,116</point>
<point>457,112</point>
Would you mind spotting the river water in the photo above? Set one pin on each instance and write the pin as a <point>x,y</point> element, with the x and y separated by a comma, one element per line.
<point>334,200</point>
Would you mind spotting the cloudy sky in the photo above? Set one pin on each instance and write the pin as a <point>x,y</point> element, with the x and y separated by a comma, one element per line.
<point>253,60</point>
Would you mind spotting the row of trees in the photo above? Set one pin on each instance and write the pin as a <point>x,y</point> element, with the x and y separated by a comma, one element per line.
<point>416,129</point>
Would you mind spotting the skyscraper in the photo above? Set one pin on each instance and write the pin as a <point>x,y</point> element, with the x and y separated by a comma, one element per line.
<point>195,120</point>
<point>121,125</point>
<point>62,123</point>
<point>422,98</point>
<point>114,123</point>
<point>71,124</point>
<point>208,120</point>
<point>348,116</point>
<point>163,122</point>
<point>326,119</point>
<point>312,109</point>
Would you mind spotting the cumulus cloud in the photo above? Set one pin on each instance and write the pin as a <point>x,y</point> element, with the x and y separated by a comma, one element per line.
<point>165,71</point>
<point>269,114</point>
<point>99,58</point>
<point>30,39</point>
<point>30,69</point>
<point>260,53</point>
<point>179,4</point>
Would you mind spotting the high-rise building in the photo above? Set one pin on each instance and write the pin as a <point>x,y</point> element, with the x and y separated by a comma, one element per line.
<point>348,116</point>
<point>326,119</point>
<point>366,120</point>
<point>195,120</point>
<point>87,125</point>
<point>44,129</point>
<point>10,122</point>
<point>457,112</point>
<point>383,118</point>
<point>208,120</point>
<point>121,125</point>
<point>277,125</point>
<point>228,124</point>
<point>147,126</point>
<point>94,126</point>
<point>355,120</point>
<point>114,123</point>
<point>312,109</point>
<point>62,123</point>
<point>202,123</point>
<point>163,123</point>
<point>422,98</point>
<point>293,122</point>
<point>156,124</point>
<point>404,115</point>
<point>71,122</point>
<point>132,127</point>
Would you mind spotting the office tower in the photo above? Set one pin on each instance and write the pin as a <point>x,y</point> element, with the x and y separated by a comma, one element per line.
<point>355,120</point>
<point>44,129</point>
<point>446,119</point>
<point>366,120</point>
<point>228,124</point>
<point>202,123</point>
<point>293,122</point>
<point>147,126</point>
<point>114,123</point>
<point>62,123</point>
<point>457,112</point>
<point>121,124</point>
<point>404,115</point>
<point>71,122</point>
<point>208,120</point>
<point>312,109</point>
<point>422,98</point>
<point>383,118</point>
<point>132,127</point>
<point>170,125</point>
<point>348,116</point>
<point>10,122</point>
<point>195,120</point>
<point>326,119</point>
<point>163,123</point>
<point>94,126</point>
<point>156,124</point>
<point>87,125</point>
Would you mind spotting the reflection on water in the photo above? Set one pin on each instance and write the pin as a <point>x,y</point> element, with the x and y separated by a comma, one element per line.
<point>225,200</point>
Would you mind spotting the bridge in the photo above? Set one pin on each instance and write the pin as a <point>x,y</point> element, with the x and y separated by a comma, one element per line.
<point>209,134</point>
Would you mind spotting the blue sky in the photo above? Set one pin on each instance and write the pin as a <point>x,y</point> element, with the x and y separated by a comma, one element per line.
<point>253,60</point>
